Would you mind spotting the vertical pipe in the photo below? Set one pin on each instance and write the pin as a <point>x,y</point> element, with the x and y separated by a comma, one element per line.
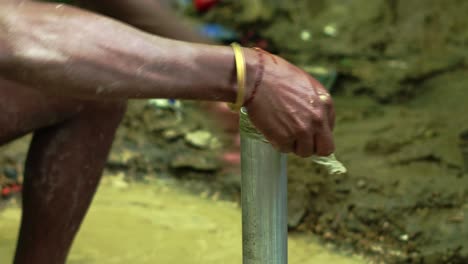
<point>264,198</point>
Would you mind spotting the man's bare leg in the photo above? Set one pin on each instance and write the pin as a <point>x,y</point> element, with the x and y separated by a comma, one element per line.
<point>63,168</point>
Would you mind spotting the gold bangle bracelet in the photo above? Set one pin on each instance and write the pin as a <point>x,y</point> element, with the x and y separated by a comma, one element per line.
<point>240,69</point>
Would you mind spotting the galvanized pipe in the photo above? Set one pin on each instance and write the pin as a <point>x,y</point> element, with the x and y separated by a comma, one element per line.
<point>264,198</point>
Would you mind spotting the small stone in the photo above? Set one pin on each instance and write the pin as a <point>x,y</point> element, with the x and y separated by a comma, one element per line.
<point>377,249</point>
<point>297,204</point>
<point>119,182</point>
<point>404,237</point>
<point>163,124</point>
<point>318,229</point>
<point>361,184</point>
<point>202,139</point>
<point>295,216</point>
<point>172,134</point>
<point>305,35</point>
<point>165,104</point>
<point>120,159</point>
<point>415,257</point>
<point>457,218</point>
<point>178,131</point>
<point>194,161</point>
<point>330,30</point>
<point>10,173</point>
<point>385,225</point>
<point>328,235</point>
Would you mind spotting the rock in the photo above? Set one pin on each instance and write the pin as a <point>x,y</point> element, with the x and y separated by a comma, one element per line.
<point>178,131</point>
<point>172,134</point>
<point>202,139</point>
<point>162,124</point>
<point>295,216</point>
<point>165,104</point>
<point>229,180</point>
<point>11,173</point>
<point>297,204</point>
<point>330,30</point>
<point>121,159</point>
<point>404,237</point>
<point>195,161</point>
<point>119,182</point>
<point>361,184</point>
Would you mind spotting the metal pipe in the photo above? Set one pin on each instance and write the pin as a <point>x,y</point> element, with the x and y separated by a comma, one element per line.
<point>264,198</point>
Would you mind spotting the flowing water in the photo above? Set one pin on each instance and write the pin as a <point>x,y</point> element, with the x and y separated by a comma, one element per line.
<point>160,223</point>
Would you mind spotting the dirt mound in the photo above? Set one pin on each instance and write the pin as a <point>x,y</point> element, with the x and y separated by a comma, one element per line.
<point>384,48</point>
<point>405,198</point>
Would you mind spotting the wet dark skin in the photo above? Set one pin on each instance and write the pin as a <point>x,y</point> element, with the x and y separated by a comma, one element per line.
<point>66,74</point>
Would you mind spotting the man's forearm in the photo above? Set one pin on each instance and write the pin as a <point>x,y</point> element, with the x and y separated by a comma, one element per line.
<point>71,52</point>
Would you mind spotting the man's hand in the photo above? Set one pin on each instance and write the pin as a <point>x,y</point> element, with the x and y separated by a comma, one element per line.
<point>292,109</point>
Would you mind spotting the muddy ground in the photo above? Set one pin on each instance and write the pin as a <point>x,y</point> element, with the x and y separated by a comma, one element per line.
<point>400,96</point>
<point>401,102</point>
<point>160,222</point>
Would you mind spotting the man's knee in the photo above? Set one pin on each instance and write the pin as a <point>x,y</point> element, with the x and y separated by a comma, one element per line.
<point>107,112</point>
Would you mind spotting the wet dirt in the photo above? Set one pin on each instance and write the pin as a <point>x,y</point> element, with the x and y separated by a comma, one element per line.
<point>404,199</point>
<point>159,222</point>
<point>400,98</point>
<point>383,48</point>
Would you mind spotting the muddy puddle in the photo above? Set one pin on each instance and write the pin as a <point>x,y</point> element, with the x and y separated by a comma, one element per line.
<point>158,222</point>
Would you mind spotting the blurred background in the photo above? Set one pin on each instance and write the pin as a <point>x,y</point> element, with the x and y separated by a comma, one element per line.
<point>398,73</point>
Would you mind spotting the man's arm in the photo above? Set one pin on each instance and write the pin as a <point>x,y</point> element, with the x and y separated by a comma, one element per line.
<point>149,15</point>
<point>68,51</point>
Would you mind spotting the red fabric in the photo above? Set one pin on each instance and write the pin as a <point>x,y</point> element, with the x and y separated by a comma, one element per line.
<point>9,190</point>
<point>16,188</point>
<point>6,191</point>
<point>204,5</point>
